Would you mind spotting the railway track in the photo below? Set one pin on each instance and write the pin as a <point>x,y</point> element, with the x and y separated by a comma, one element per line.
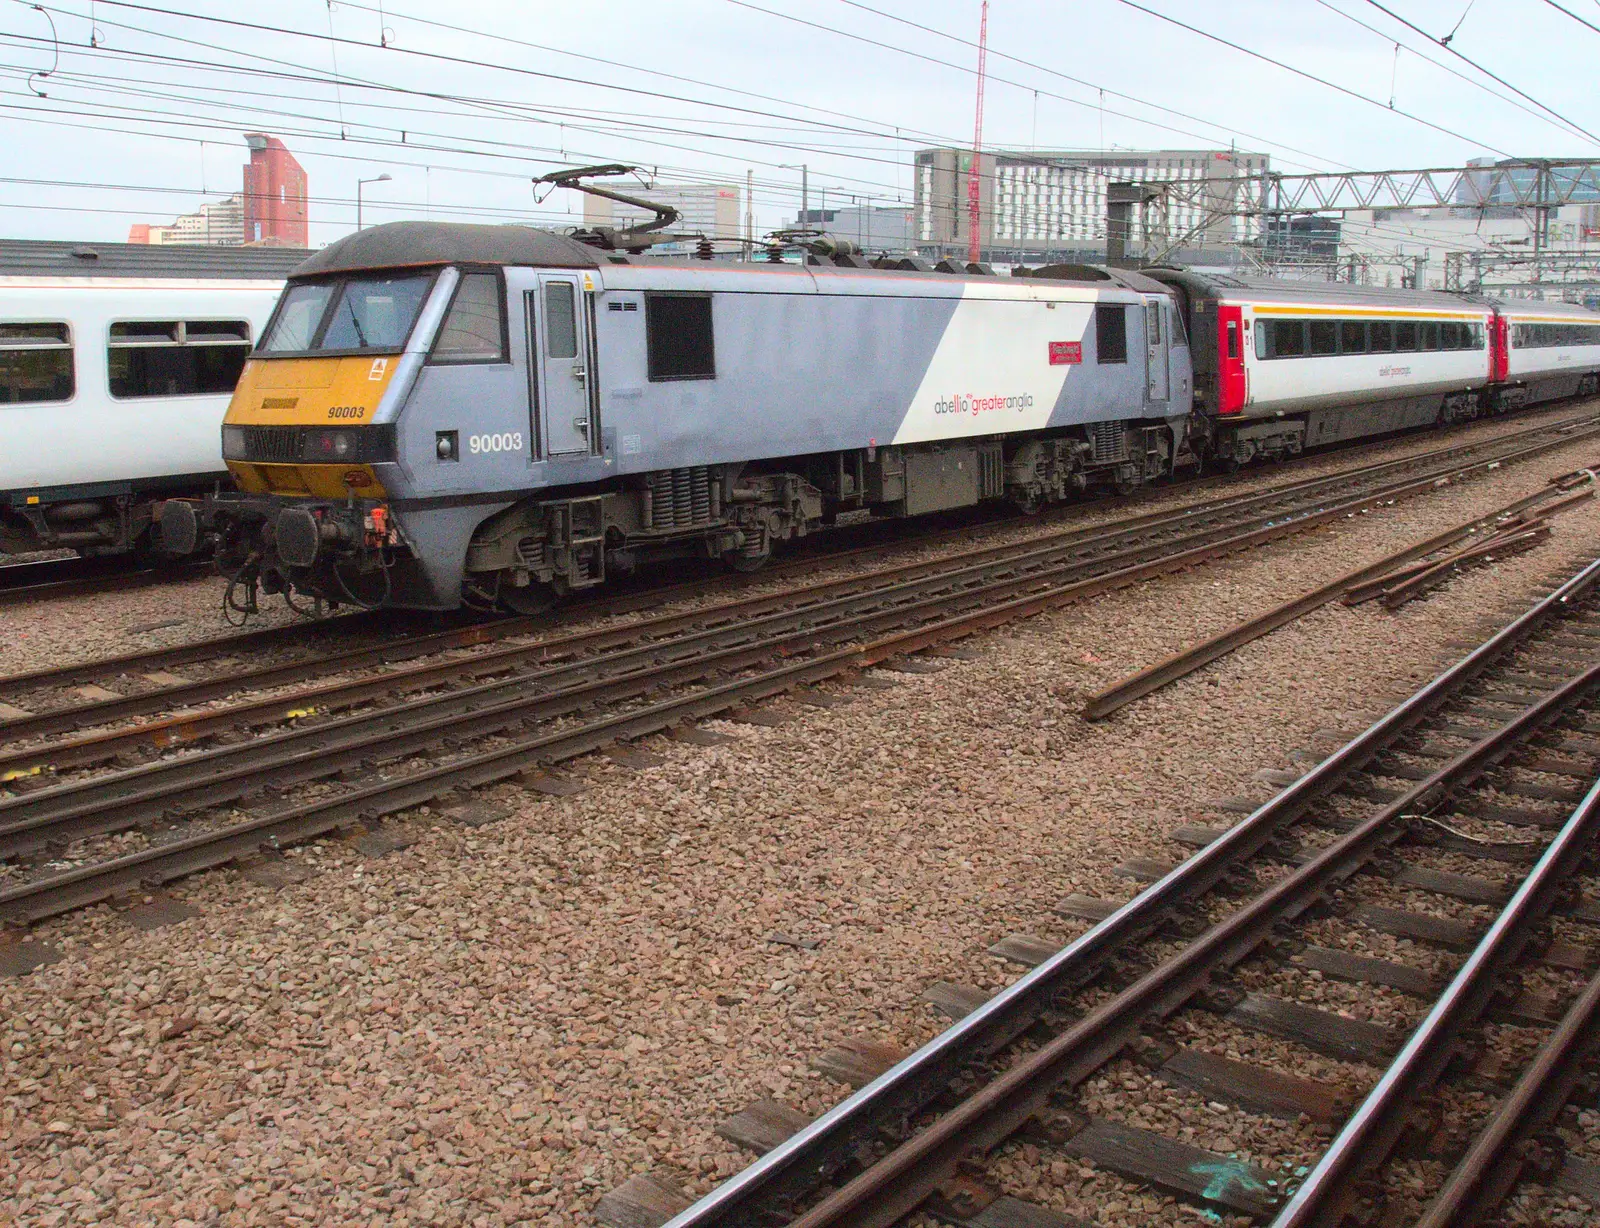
<point>144,678</point>
<point>372,745</point>
<point>55,702</point>
<point>1412,912</point>
<point>50,579</point>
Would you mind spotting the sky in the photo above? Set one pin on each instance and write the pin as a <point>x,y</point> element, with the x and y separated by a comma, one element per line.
<point>117,112</point>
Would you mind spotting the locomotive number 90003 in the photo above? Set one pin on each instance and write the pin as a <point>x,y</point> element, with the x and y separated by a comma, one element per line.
<point>511,441</point>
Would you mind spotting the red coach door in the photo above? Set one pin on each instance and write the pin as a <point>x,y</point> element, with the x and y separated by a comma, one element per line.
<point>1230,359</point>
<point>1499,348</point>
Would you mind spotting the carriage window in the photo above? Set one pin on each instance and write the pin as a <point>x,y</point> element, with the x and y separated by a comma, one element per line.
<point>560,320</point>
<point>35,363</point>
<point>1233,338</point>
<point>1380,334</point>
<point>1152,323</point>
<point>175,358</point>
<point>1322,337</point>
<point>474,331</point>
<point>300,311</point>
<point>1110,333</point>
<point>679,336</point>
<point>1280,339</point>
<point>1405,336</point>
<point>1429,336</point>
<point>1352,337</point>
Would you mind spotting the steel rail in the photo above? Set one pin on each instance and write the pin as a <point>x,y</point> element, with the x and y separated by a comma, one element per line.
<point>657,595</point>
<point>1497,1157</point>
<point>186,727</point>
<point>25,582</point>
<point>90,884</point>
<point>901,1180</point>
<point>180,654</point>
<point>1500,546</point>
<point>1335,1184</point>
<point>809,1157</point>
<point>121,800</point>
<point>1181,664</point>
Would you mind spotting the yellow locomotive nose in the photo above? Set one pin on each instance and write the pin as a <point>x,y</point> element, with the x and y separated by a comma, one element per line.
<point>300,427</point>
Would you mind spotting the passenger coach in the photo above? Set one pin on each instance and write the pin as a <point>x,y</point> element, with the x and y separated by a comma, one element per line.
<point>116,365</point>
<point>498,414</point>
<point>1281,366</point>
<point>1544,351</point>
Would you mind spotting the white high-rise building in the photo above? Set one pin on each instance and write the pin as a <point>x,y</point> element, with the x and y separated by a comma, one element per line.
<point>1047,201</point>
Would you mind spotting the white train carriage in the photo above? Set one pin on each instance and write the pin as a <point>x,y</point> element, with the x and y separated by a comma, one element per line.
<point>1281,366</point>
<point>117,362</point>
<point>1544,351</point>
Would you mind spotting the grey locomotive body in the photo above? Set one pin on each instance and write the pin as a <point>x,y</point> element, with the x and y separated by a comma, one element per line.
<point>440,413</point>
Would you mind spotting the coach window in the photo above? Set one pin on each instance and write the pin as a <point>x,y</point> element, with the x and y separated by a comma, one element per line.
<point>1322,338</point>
<point>679,337</point>
<point>1110,333</point>
<point>1405,336</point>
<point>1352,337</point>
<point>1380,334</point>
<point>175,358</point>
<point>1284,339</point>
<point>35,363</point>
<point>475,328</point>
<point>1428,336</point>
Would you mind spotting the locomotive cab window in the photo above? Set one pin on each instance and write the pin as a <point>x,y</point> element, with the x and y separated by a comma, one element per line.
<point>474,330</point>
<point>176,358</point>
<point>1110,333</point>
<point>355,316</point>
<point>35,363</point>
<point>679,336</point>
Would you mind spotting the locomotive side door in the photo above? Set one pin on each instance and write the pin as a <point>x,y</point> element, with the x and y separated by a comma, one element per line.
<point>558,363</point>
<point>1157,389</point>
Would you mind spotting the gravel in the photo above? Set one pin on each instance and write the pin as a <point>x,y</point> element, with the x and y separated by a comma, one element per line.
<point>499,1023</point>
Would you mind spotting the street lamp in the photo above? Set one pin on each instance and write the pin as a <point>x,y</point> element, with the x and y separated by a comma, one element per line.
<point>385,178</point>
<point>805,186</point>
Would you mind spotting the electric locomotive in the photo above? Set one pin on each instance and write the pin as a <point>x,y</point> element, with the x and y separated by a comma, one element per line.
<point>497,415</point>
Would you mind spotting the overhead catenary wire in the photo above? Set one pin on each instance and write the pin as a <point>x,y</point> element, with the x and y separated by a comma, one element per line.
<point>1445,43</point>
<point>966,69</point>
<point>513,112</point>
<point>1580,20</point>
<point>1309,76</point>
<point>1454,72</point>
<point>500,109</point>
<point>1054,72</point>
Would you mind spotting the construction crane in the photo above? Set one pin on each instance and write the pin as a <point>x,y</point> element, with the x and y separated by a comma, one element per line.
<point>974,196</point>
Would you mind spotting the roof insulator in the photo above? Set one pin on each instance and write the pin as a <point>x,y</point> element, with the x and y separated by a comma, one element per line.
<point>85,253</point>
